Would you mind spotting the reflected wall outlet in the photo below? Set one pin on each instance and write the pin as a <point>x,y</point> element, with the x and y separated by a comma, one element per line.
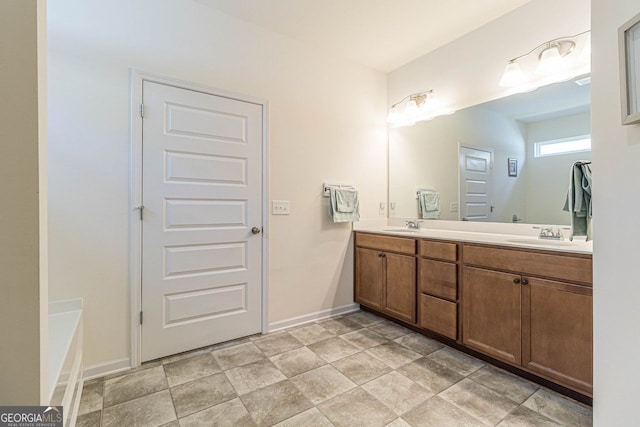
<point>280,207</point>
<point>392,205</point>
<point>453,207</point>
<point>381,207</point>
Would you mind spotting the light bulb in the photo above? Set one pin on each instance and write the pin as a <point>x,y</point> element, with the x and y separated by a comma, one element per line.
<point>551,62</point>
<point>432,102</point>
<point>513,75</point>
<point>411,109</point>
<point>394,115</point>
<point>413,112</point>
<point>403,121</point>
<point>586,49</point>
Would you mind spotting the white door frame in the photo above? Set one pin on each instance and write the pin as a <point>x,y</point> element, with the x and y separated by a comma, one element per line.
<point>135,258</point>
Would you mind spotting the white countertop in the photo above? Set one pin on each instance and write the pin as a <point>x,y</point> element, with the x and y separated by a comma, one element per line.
<point>578,245</point>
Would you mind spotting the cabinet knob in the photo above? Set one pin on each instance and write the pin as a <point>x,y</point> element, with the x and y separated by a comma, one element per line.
<point>516,281</point>
<point>381,255</point>
<point>525,282</point>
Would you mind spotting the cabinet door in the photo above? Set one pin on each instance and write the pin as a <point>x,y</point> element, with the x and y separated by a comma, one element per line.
<point>491,313</point>
<point>400,289</point>
<point>369,278</point>
<point>557,332</point>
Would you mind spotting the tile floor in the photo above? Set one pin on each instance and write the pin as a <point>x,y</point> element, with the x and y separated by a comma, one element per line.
<point>354,370</point>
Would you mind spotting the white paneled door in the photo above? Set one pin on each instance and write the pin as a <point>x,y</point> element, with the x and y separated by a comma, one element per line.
<point>202,219</point>
<point>475,184</point>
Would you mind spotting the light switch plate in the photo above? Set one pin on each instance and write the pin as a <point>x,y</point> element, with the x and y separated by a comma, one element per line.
<point>280,207</point>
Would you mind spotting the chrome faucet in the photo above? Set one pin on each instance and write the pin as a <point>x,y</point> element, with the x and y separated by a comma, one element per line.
<point>413,224</point>
<point>549,233</point>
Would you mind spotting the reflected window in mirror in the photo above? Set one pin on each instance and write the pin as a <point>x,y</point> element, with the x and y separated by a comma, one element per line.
<point>576,144</point>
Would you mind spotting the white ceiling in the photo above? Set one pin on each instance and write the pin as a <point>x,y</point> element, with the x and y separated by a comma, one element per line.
<point>381,34</point>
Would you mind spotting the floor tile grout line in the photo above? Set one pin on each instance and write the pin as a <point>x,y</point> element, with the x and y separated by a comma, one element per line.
<point>173,403</point>
<point>460,408</point>
<point>207,408</point>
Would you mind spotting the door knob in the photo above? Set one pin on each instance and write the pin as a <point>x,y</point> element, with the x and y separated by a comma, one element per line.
<point>256,230</point>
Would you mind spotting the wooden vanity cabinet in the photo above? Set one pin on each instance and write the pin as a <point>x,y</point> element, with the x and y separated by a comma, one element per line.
<point>529,308</point>
<point>386,280</point>
<point>544,325</point>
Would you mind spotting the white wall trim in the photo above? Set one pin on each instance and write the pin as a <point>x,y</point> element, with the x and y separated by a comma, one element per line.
<point>312,317</point>
<point>135,259</point>
<point>106,368</point>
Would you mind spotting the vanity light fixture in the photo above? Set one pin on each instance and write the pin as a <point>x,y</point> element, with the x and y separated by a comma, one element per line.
<point>421,106</point>
<point>549,62</point>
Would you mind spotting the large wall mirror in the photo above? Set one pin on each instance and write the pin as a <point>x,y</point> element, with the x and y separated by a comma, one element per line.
<point>516,152</point>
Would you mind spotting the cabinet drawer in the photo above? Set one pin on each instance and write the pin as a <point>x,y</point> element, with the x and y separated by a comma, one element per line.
<point>439,279</point>
<point>439,316</point>
<point>386,243</point>
<point>439,250</point>
<point>556,266</point>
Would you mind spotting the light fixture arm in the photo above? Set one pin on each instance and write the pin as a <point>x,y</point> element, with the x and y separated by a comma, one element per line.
<point>549,44</point>
<point>418,97</point>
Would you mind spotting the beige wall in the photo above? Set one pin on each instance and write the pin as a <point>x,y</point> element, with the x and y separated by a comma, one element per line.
<point>616,156</point>
<point>327,123</point>
<point>23,316</point>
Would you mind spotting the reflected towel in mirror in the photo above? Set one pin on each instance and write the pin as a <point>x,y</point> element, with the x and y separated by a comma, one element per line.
<point>578,201</point>
<point>429,204</point>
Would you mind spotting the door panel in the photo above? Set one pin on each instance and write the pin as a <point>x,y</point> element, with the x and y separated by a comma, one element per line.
<point>491,313</point>
<point>370,278</point>
<point>205,169</point>
<point>202,193</point>
<point>400,290</point>
<point>558,342</point>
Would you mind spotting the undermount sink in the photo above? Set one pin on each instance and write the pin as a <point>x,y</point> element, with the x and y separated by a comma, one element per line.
<point>401,230</point>
<point>541,242</point>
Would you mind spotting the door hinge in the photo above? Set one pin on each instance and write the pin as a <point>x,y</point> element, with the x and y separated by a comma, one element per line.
<point>141,210</point>
<point>141,318</point>
<point>141,110</point>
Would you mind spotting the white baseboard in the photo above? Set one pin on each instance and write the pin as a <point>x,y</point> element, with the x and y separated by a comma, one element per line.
<point>106,368</point>
<point>119,365</point>
<point>312,317</point>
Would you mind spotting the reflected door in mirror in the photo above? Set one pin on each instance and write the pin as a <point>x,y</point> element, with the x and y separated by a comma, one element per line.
<point>475,184</point>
